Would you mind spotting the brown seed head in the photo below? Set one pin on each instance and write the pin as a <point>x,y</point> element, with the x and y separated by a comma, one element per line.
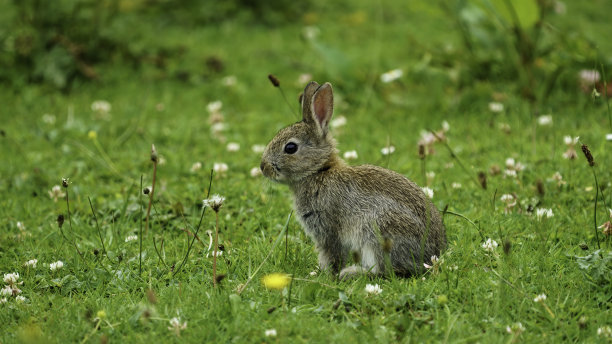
<point>588,155</point>
<point>153,153</point>
<point>151,296</point>
<point>60,220</point>
<point>65,182</point>
<point>421,151</point>
<point>540,187</point>
<point>482,178</point>
<point>274,80</point>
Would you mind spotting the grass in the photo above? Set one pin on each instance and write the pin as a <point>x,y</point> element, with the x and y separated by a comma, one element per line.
<point>471,295</point>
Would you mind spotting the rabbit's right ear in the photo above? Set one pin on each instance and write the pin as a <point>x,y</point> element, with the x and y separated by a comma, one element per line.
<point>318,107</point>
<point>306,100</point>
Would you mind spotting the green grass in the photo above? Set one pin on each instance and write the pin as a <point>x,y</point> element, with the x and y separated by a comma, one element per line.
<point>474,302</point>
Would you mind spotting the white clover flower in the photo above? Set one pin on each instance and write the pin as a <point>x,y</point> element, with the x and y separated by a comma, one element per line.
<point>101,106</point>
<point>507,198</point>
<point>229,80</point>
<point>21,226</point>
<point>218,127</point>
<point>428,191</point>
<point>589,76</point>
<point>11,278</point>
<point>176,326</point>
<point>456,185</point>
<point>434,260</point>
<point>350,155</point>
<point>31,263</point>
<point>270,333</point>
<point>56,192</point>
<point>545,120</point>
<point>373,289</point>
<point>496,107</point>
<point>196,166</point>
<point>387,150</point>
<point>255,172</point>
<point>605,331</point>
<point>56,265</point>
<point>337,122</point>
<point>490,245</point>
<point>510,163</point>
<point>6,291</point>
<point>391,75</point>
<point>312,273</point>
<point>608,137</point>
<point>540,298</point>
<point>304,78</point>
<point>543,212</point>
<point>233,147</point>
<point>20,299</point>
<point>131,238</point>
<point>215,106</point>
<point>220,167</point>
<point>258,149</point>
<point>516,328</point>
<point>445,126</point>
<point>4,300</point>
<point>570,141</point>
<point>215,202</point>
<point>427,138</point>
<point>48,118</point>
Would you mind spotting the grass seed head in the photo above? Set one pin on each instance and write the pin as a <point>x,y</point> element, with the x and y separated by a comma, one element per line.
<point>588,155</point>
<point>482,179</point>
<point>274,80</point>
<point>60,220</point>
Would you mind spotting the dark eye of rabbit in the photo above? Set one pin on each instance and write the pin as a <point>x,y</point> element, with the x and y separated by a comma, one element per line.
<point>291,148</point>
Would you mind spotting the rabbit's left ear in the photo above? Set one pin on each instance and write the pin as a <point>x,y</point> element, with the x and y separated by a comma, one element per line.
<point>322,107</point>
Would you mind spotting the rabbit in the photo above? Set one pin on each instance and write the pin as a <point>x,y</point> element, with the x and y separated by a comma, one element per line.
<point>369,213</point>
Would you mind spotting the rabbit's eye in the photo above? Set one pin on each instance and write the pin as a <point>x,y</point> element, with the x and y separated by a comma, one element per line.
<point>291,148</point>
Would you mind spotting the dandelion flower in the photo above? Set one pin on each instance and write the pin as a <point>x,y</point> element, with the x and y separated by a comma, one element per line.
<point>350,155</point>
<point>270,333</point>
<point>56,265</point>
<point>131,238</point>
<point>92,135</point>
<point>540,298</point>
<point>56,192</point>
<point>428,191</point>
<point>233,147</point>
<point>490,245</point>
<point>277,281</point>
<point>373,289</point>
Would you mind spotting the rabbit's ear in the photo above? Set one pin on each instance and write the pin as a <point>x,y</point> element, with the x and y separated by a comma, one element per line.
<point>322,107</point>
<point>306,100</point>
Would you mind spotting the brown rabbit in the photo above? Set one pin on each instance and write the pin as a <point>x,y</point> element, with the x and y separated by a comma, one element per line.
<point>351,209</point>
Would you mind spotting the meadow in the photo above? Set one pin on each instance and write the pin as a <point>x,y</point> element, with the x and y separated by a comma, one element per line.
<point>488,110</point>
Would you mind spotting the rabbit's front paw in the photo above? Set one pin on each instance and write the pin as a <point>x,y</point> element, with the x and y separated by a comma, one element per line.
<point>351,272</point>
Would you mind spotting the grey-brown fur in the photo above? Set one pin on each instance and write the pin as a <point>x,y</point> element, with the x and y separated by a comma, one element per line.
<point>345,208</point>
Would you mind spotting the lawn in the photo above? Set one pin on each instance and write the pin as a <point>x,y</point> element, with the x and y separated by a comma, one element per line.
<point>527,259</point>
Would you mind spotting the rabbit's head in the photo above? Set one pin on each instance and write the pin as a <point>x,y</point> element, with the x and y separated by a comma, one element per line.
<point>305,147</point>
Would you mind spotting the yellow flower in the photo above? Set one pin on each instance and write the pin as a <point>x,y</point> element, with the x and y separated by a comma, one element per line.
<point>276,281</point>
<point>92,135</point>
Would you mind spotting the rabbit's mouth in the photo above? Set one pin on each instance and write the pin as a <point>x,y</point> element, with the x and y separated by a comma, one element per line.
<point>272,171</point>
